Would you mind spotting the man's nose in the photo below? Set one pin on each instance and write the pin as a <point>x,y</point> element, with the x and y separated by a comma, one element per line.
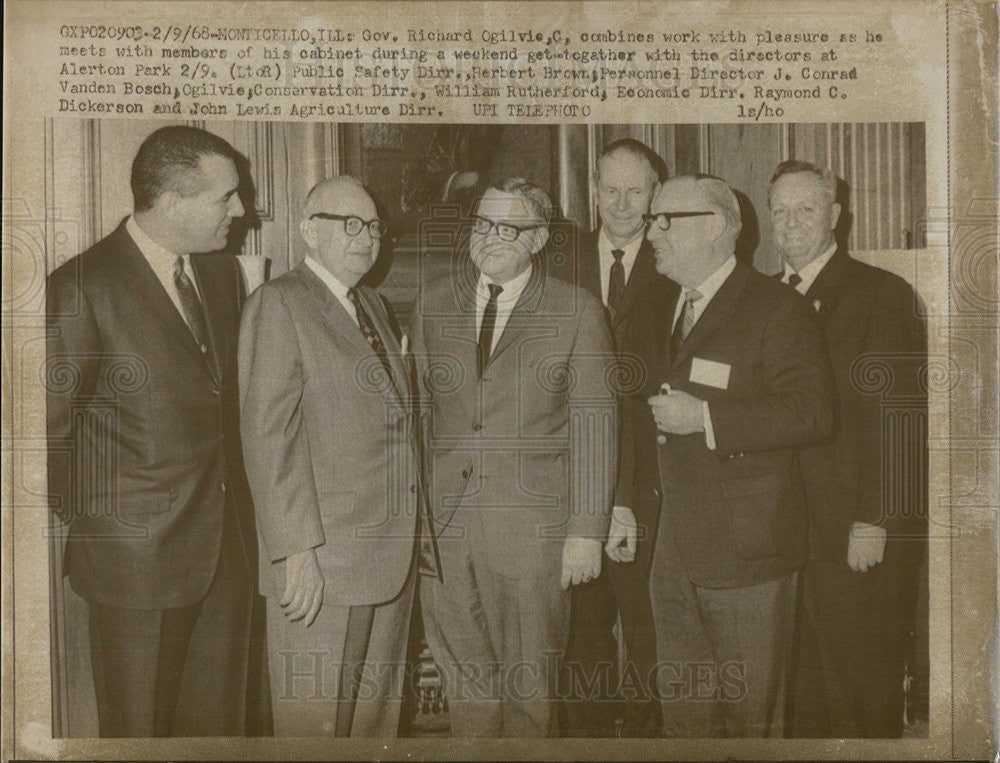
<point>236,208</point>
<point>622,201</point>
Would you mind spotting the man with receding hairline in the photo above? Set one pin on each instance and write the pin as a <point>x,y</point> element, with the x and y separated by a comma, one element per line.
<point>333,460</point>
<point>615,263</point>
<point>145,460</point>
<point>737,383</point>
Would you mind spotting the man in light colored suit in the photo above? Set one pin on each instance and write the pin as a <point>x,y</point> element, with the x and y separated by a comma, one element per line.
<point>332,457</point>
<point>738,382</point>
<point>515,368</point>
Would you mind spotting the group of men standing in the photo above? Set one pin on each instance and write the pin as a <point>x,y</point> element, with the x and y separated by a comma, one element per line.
<point>667,445</point>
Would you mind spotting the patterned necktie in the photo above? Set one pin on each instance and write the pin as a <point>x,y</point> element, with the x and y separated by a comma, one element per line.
<point>794,280</point>
<point>485,346</point>
<point>368,329</point>
<point>616,284</point>
<point>685,322</point>
<point>194,313</point>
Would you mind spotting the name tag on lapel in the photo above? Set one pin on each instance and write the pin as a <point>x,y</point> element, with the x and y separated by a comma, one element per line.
<point>710,373</point>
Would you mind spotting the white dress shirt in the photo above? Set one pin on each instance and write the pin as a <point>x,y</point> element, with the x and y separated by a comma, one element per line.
<point>605,259</point>
<point>708,289</point>
<point>163,263</point>
<point>335,286</point>
<point>506,301</point>
<point>810,272</point>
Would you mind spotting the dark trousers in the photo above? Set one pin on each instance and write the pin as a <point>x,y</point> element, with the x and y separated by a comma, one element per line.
<point>182,671</point>
<point>722,653</point>
<point>852,638</point>
<point>591,679</point>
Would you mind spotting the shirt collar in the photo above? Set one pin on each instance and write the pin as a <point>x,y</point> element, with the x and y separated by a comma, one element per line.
<point>150,249</point>
<point>713,283</point>
<point>511,290</point>
<point>810,272</point>
<point>631,249</point>
<point>333,283</point>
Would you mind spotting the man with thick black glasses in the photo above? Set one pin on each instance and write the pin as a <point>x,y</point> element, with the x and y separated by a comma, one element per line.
<point>738,382</point>
<point>333,461</point>
<point>515,367</point>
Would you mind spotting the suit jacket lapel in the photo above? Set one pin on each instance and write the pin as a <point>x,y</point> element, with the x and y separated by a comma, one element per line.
<point>138,276</point>
<point>716,314</point>
<point>212,296</point>
<point>332,311</point>
<point>394,352</point>
<point>589,263</point>
<point>642,270</point>
<point>527,303</point>
<point>826,288</point>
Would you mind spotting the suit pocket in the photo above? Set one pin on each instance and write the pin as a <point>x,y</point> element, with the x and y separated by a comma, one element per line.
<point>755,508</point>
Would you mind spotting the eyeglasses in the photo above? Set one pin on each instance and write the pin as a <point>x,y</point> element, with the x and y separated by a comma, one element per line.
<point>353,225</point>
<point>506,231</point>
<point>662,219</point>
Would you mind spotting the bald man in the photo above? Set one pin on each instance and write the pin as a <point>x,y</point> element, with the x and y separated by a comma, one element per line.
<point>738,381</point>
<point>329,441</point>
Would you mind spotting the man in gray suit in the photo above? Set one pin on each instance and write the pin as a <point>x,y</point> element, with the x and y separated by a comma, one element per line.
<point>332,458</point>
<point>515,369</point>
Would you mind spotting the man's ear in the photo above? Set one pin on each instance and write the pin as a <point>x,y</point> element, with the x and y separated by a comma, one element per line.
<point>541,239</point>
<point>834,215</point>
<point>171,205</point>
<point>719,225</point>
<point>308,230</point>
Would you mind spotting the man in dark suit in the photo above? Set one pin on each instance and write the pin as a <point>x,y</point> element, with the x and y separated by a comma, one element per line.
<point>514,367</point>
<point>737,381</point>
<point>859,584</point>
<point>615,263</point>
<point>145,460</point>
<point>332,454</point>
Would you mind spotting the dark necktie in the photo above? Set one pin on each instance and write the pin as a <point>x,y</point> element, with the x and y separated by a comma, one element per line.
<point>368,329</point>
<point>485,346</point>
<point>194,313</point>
<point>685,322</point>
<point>616,284</point>
<point>794,280</point>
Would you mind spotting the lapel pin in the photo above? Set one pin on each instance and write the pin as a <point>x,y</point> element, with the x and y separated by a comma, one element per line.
<point>817,305</point>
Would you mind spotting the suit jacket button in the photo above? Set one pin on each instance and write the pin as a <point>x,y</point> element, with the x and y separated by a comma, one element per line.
<point>413,488</point>
<point>216,391</point>
<point>662,439</point>
<point>204,349</point>
<point>477,427</point>
<point>222,487</point>
<point>465,474</point>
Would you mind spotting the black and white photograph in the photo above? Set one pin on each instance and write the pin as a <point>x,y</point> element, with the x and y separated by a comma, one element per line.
<point>524,379</point>
<point>384,430</point>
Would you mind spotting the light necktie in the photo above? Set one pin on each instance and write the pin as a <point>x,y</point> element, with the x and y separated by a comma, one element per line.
<point>616,283</point>
<point>368,329</point>
<point>485,347</point>
<point>685,322</point>
<point>194,312</point>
